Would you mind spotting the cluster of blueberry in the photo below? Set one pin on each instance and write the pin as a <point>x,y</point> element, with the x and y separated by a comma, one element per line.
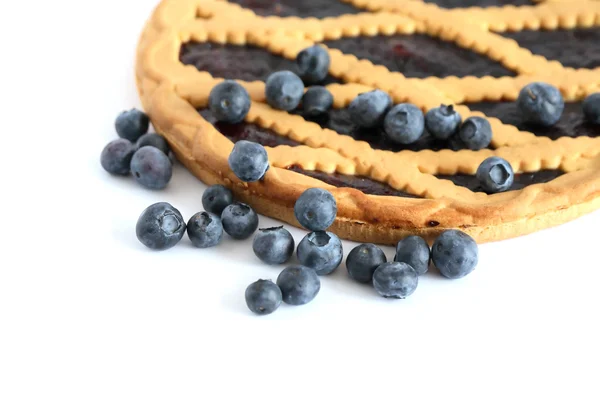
<point>145,155</point>
<point>320,252</point>
<point>454,254</point>
<point>161,226</point>
<point>284,90</point>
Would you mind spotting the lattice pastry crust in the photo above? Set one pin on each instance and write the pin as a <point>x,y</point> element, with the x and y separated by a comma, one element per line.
<point>172,92</point>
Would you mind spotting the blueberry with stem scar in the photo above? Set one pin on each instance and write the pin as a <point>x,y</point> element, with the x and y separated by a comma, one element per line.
<point>160,226</point>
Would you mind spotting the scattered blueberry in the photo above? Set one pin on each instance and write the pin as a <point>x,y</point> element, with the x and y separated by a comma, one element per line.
<point>263,297</point>
<point>315,209</point>
<point>239,220</point>
<point>299,285</point>
<point>313,64</point>
<point>160,226</point>
<point>363,260</point>
<point>316,101</point>
<point>442,122</point>
<point>455,254</point>
<point>591,108</point>
<point>396,280</point>
<point>132,124</point>
<point>476,133</point>
<point>495,175</point>
<point>321,251</point>
<point>273,245</point>
<point>248,161</point>
<point>229,102</point>
<point>284,90</point>
<point>414,251</point>
<point>368,109</point>
<point>151,168</point>
<point>404,123</point>
<point>205,230</point>
<point>154,140</point>
<point>540,104</point>
<point>116,156</point>
<point>215,198</point>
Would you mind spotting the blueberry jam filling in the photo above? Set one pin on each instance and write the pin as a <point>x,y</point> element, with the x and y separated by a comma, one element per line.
<point>575,48</point>
<point>480,3</point>
<point>339,120</point>
<point>572,122</point>
<point>247,63</point>
<point>420,56</point>
<point>299,8</point>
<point>267,137</point>
<point>521,180</point>
<point>365,185</point>
<point>246,131</point>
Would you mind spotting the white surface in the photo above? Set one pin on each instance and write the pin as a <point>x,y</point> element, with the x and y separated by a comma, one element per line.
<point>86,312</point>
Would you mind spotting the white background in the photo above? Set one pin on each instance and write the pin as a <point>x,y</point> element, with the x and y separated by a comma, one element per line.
<point>86,312</point>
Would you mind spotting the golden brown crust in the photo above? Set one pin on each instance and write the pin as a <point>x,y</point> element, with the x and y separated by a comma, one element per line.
<point>171,92</point>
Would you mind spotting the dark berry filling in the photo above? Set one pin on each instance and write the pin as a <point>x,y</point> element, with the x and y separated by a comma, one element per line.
<point>267,137</point>
<point>420,56</point>
<point>572,123</point>
<point>339,120</point>
<point>576,48</point>
<point>299,8</point>
<point>247,63</point>
<point>245,131</point>
<point>521,180</point>
<point>480,3</point>
<point>365,185</point>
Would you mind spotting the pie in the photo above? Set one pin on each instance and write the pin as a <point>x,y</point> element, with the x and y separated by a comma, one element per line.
<point>473,54</point>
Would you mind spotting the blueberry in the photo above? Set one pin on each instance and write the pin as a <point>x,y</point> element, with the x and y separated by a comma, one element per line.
<point>495,175</point>
<point>442,122</point>
<point>229,102</point>
<point>205,230</point>
<point>273,245</point>
<point>321,251</point>
<point>151,168</point>
<point>367,110</point>
<point>313,64</point>
<point>414,251</point>
<point>239,220</point>
<point>160,226</point>
<point>455,254</point>
<point>476,133</point>
<point>284,90</point>
<point>215,198</point>
<point>132,124</point>
<point>316,101</point>
<point>263,297</point>
<point>404,123</point>
<point>248,161</point>
<point>315,209</point>
<point>540,104</point>
<point>299,285</point>
<point>455,143</point>
<point>395,280</point>
<point>363,260</point>
<point>591,108</point>
<point>154,140</point>
<point>116,156</point>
